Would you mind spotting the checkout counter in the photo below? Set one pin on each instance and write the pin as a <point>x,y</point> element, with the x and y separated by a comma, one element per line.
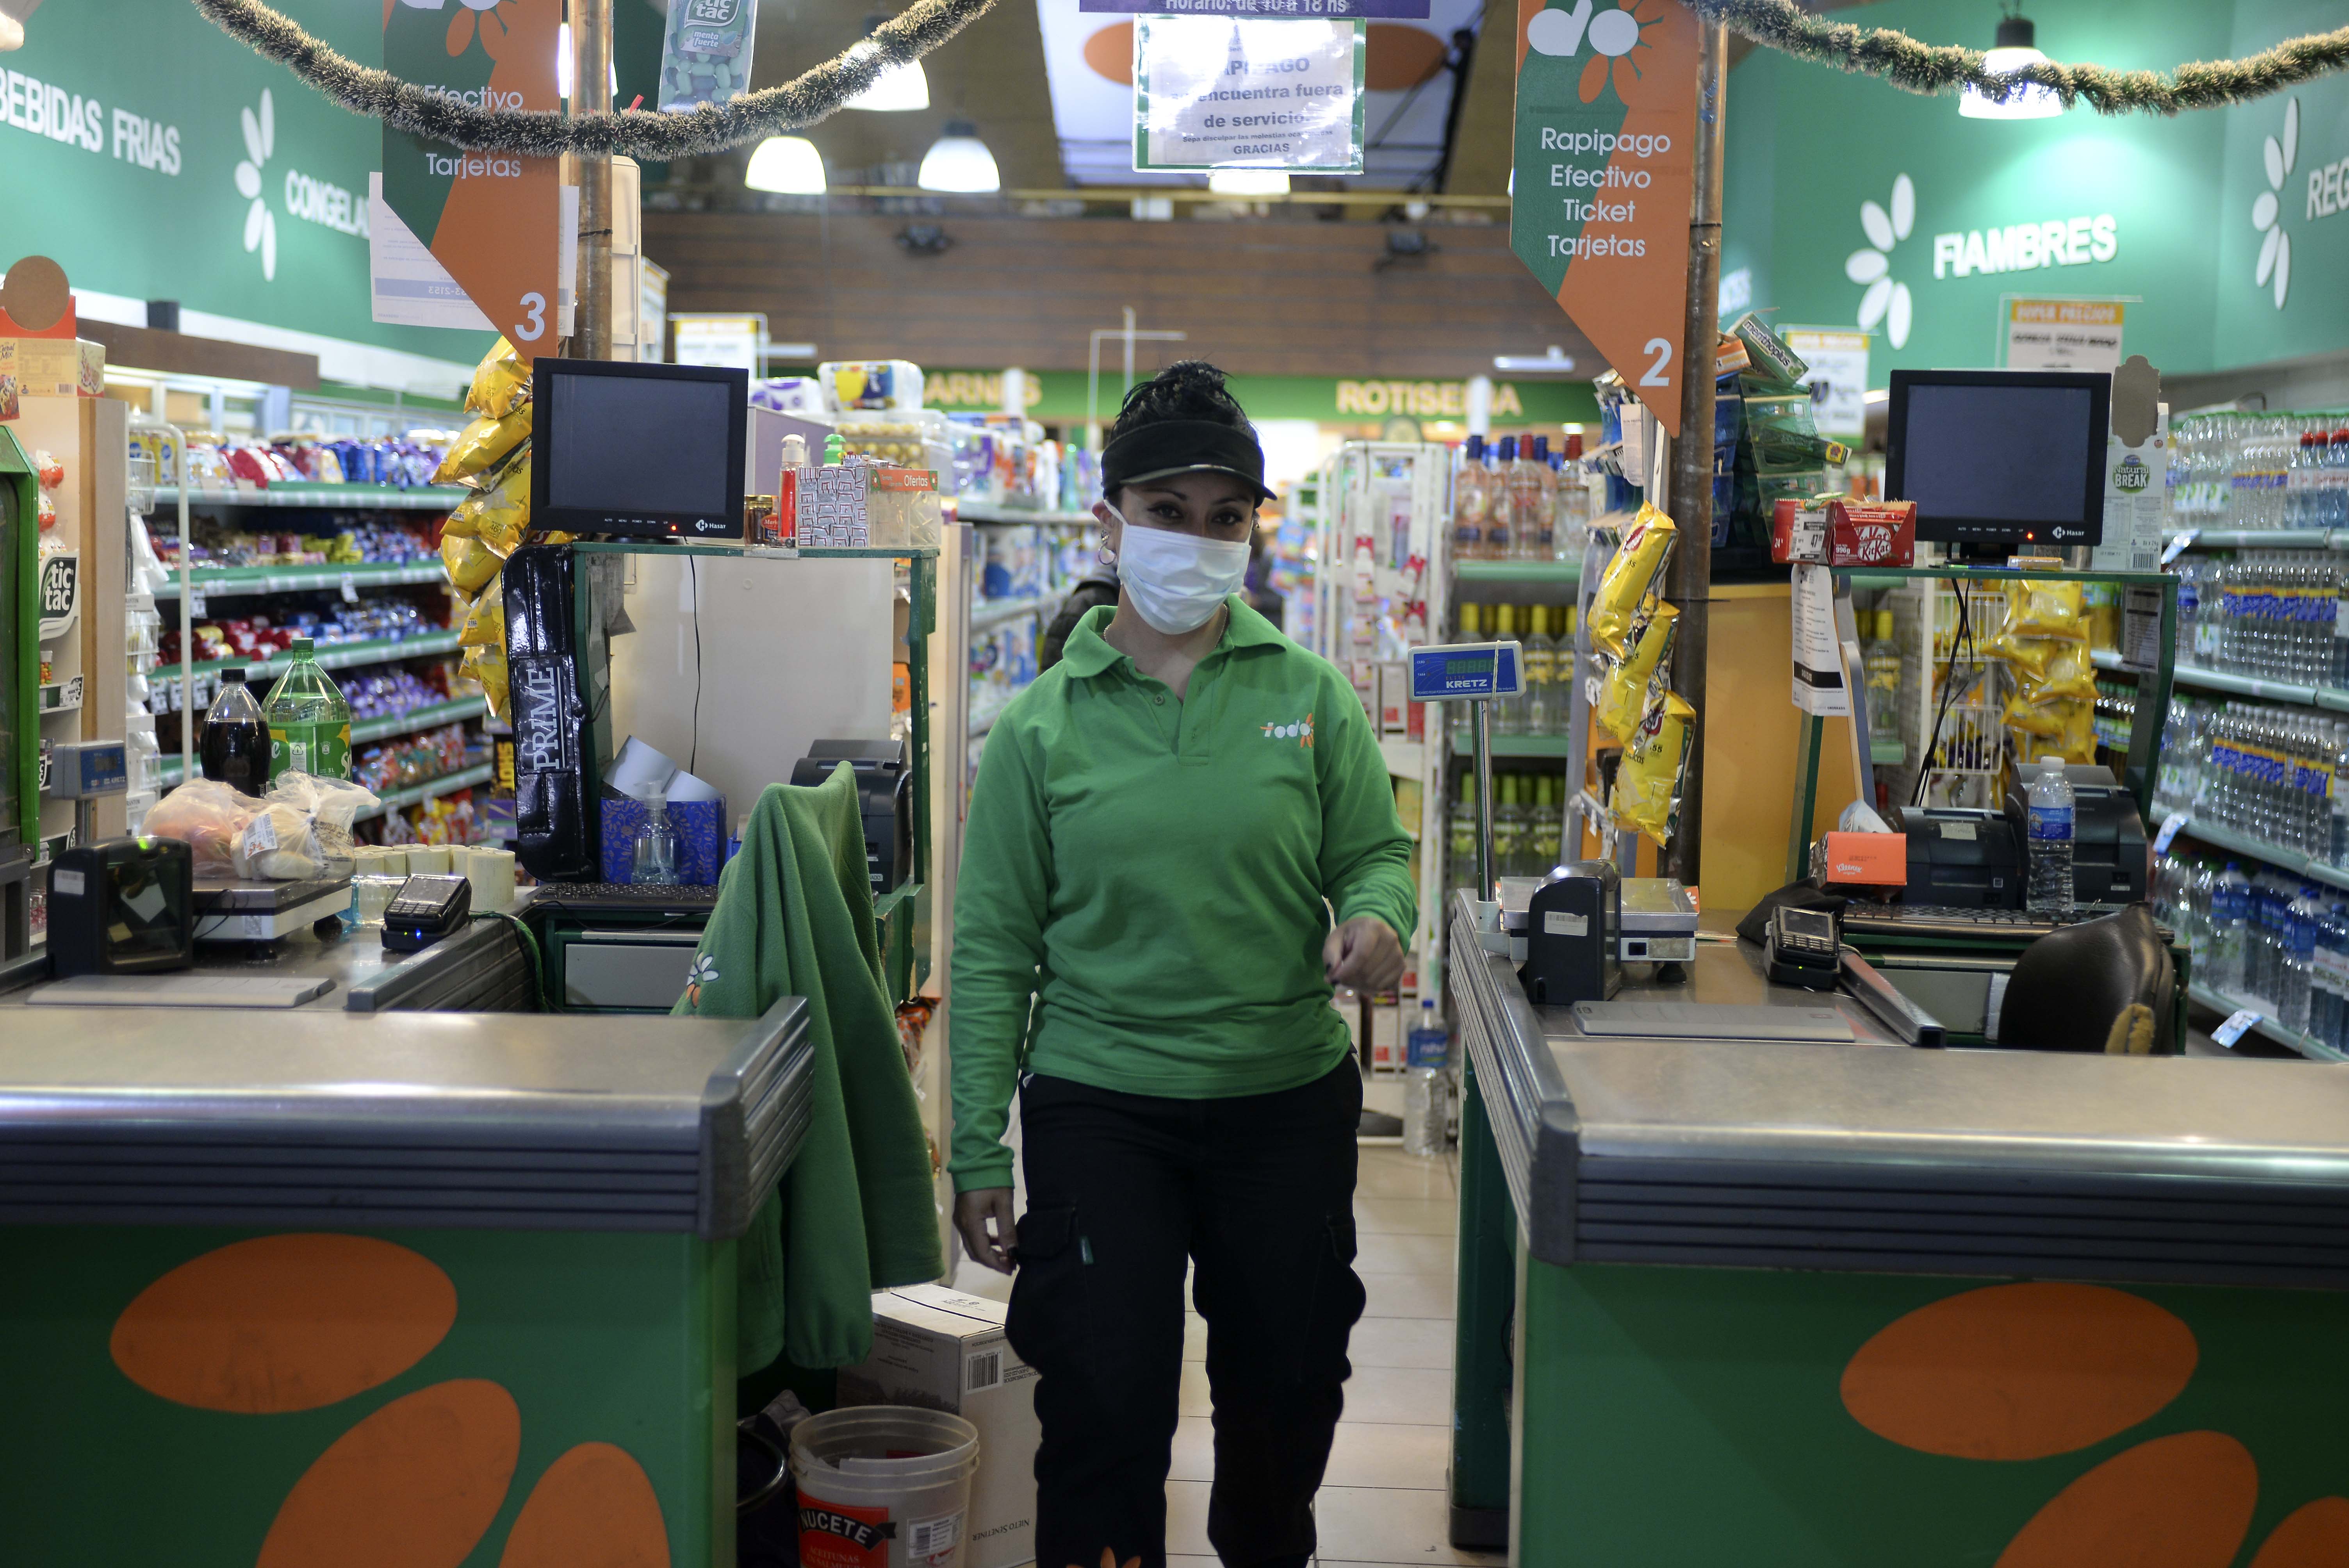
<point>1784,1304</point>
<point>395,1267</point>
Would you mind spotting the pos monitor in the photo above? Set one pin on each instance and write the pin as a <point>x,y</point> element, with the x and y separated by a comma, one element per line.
<point>648,450</point>
<point>1999,456</point>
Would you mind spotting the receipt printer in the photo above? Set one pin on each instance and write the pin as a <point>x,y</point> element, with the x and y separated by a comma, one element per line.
<point>1961,857</point>
<point>2108,835</point>
<point>1573,930</point>
<point>884,789</point>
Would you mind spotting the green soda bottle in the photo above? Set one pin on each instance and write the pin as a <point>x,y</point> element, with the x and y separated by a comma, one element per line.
<point>309,722</point>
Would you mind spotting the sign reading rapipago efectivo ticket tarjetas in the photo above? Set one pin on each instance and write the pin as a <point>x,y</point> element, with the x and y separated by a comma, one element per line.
<point>493,219</point>
<point>1605,142</point>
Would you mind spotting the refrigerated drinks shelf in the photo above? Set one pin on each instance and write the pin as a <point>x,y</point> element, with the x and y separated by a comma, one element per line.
<point>2274,855</point>
<point>2333,699</point>
<point>2266,1028</point>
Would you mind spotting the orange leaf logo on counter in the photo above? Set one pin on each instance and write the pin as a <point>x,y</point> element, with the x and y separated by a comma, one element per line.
<point>2020,1372</point>
<point>281,1324</point>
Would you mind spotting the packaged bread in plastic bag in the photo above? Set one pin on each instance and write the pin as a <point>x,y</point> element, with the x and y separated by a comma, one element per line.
<point>208,816</point>
<point>500,381</point>
<point>1624,697</point>
<point>330,806</point>
<point>1630,576</point>
<point>484,442</point>
<point>1655,761</point>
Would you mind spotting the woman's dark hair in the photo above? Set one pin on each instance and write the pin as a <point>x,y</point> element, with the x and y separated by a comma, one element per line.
<point>1186,389</point>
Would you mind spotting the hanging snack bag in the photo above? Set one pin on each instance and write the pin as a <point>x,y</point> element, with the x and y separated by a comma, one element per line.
<point>1648,780</point>
<point>501,383</point>
<point>706,55</point>
<point>2046,609</point>
<point>1634,572</point>
<point>485,623</point>
<point>483,444</point>
<point>1623,699</point>
<point>498,515</point>
<point>488,666</point>
<point>471,562</point>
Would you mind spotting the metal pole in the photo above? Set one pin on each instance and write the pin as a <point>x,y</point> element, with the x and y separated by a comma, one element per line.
<point>1127,384</point>
<point>591,93</point>
<point>1483,729</point>
<point>1690,587</point>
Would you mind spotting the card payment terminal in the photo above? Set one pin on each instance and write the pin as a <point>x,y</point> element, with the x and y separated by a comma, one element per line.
<point>1803,949</point>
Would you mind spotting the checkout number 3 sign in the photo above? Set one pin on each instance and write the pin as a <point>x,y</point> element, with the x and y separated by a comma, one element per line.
<point>532,326</point>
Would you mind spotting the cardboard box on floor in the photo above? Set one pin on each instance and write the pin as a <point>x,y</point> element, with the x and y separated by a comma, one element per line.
<point>943,1350</point>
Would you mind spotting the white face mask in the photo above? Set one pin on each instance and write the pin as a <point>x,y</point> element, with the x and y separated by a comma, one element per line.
<point>1177,580</point>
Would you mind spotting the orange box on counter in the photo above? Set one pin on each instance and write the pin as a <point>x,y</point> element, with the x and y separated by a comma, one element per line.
<point>1866,860</point>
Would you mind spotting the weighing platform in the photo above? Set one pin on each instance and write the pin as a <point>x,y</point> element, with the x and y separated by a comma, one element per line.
<point>1782,1304</point>
<point>458,1286</point>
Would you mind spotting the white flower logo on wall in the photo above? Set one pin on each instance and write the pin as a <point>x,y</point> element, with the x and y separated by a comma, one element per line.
<point>1886,300</point>
<point>2267,212</point>
<point>260,222</point>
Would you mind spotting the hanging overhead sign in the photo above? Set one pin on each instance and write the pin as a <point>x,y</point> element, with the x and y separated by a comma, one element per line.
<point>1276,10</point>
<point>1606,142</point>
<point>1212,92</point>
<point>2062,334</point>
<point>493,220</point>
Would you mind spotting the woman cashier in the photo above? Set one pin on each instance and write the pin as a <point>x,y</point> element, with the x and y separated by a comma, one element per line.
<point>1181,838</point>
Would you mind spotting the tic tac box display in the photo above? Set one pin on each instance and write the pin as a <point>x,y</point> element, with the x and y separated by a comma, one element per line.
<point>943,1350</point>
<point>1871,532</point>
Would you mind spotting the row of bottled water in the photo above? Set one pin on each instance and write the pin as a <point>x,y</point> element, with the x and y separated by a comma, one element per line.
<point>2279,775</point>
<point>2260,470</point>
<point>2282,615</point>
<point>2269,942</point>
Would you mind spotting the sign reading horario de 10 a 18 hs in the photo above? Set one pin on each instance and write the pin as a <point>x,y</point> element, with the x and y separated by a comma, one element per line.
<point>492,218</point>
<point>1606,136</point>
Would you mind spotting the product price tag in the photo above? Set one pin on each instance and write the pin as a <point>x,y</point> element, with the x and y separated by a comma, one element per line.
<point>350,589</point>
<point>2169,827</point>
<point>2238,1023</point>
<point>195,605</point>
<point>2177,545</point>
<point>2141,629</point>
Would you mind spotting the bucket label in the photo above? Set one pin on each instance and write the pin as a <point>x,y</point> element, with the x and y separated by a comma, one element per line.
<point>839,1536</point>
<point>933,1540</point>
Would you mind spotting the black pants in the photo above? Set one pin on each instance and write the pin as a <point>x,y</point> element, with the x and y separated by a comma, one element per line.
<point>1258,1191</point>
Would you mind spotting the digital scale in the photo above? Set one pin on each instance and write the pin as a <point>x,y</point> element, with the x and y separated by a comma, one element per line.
<point>232,911</point>
<point>1475,674</point>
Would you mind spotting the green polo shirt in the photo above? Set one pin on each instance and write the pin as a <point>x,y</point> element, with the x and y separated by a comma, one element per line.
<point>1153,870</point>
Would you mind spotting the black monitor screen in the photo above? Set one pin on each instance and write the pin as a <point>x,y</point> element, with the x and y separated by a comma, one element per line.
<point>640,443</point>
<point>2000,455</point>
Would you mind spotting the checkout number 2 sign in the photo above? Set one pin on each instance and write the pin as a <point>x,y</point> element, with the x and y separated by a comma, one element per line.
<point>533,327</point>
<point>1662,347</point>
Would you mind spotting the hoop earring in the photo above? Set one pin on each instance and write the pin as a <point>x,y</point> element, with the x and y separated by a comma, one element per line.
<point>1107,556</point>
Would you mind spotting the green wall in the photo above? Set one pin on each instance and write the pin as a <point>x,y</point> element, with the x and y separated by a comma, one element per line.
<point>1806,146</point>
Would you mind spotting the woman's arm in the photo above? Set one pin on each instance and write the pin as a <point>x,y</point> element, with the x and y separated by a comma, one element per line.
<point>1001,894</point>
<point>1365,853</point>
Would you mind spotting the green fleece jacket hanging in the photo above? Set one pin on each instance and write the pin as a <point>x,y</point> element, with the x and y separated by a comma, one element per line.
<point>855,1213</point>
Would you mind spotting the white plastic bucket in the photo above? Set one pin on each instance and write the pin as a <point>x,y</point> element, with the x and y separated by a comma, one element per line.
<point>882,1486</point>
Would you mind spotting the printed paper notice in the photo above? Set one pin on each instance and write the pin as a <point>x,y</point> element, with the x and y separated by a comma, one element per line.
<point>2064,334</point>
<point>1819,664</point>
<point>411,288</point>
<point>1839,379</point>
<point>1213,92</point>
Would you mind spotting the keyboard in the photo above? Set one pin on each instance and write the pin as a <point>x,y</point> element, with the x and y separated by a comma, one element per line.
<point>627,895</point>
<point>1941,923</point>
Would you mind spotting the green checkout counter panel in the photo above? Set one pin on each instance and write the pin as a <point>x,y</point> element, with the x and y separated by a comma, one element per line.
<point>321,1285</point>
<point>1782,1304</point>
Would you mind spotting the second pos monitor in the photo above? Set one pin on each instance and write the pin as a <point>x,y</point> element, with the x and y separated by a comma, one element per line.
<point>1999,457</point>
<point>645,451</point>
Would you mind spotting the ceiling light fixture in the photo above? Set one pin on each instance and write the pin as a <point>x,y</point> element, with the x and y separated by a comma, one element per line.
<point>1557,362</point>
<point>959,162</point>
<point>1248,182</point>
<point>2015,47</point>
<point>786,165</point>
<point>895,89</point>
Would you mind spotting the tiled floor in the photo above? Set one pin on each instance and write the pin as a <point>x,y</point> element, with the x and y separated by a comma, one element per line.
<point>1383,1500</point>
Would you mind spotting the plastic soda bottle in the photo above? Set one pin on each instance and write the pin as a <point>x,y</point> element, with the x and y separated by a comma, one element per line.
<point>309,722</point>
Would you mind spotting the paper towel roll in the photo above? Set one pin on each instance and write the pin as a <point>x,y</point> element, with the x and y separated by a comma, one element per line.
<point>429,860</point>
<point>492,873</point>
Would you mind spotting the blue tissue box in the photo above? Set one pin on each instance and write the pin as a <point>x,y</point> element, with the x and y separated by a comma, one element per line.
<point>700,828</point>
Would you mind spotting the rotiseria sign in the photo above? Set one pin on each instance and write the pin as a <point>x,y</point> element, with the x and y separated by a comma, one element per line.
<point>1421,399</point>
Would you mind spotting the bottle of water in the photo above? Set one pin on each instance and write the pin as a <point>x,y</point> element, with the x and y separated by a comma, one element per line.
<point>2293,983</point>
<point>2194,922</point>
<point>2051,840</point>
<point>2325,973</point>
<point>656,847</point>
<point>1427,1087</point>
<point>2230,903</point>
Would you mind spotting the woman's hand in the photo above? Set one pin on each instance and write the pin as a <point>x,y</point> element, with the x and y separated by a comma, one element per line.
<point>1364,955</point>
<point>982,1216</point>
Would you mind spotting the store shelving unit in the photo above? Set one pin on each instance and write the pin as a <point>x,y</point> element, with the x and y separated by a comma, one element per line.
<point>986,617</point>
<point>431,715</point>
<point>2265,1028</point>
<point>986,512</point>
<point>329,498</point>
<point>225,580</point>
<point>430,789</point>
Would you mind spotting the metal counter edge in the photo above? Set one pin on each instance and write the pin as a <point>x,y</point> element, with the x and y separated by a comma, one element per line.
<point>1535,1127</point>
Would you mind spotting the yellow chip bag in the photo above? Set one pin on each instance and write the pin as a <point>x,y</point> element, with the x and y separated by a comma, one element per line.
<point>2066,673</point>
<point>488,666</point>
<point>1648,780</point>
<point>2044,610</point>
<point>485,623</point>
<point>482,444</point>
<point>498,514</point>
<point>500,381</point>
<point>2042,718</point>
<point>1623,699</point>
<point>1629,576</point>
<point>471,562</point>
